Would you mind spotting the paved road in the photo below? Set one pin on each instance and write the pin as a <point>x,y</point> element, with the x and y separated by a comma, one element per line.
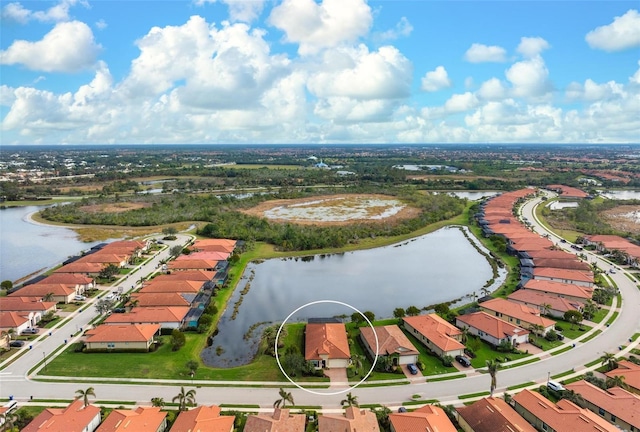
<point>13,381</point>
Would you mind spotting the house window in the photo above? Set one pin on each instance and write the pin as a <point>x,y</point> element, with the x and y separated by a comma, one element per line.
<point>601,411</point>
<point>545,427</point>
<point>517,321</point>
<point>613,418</point>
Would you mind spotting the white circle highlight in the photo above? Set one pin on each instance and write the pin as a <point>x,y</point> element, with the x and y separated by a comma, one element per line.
<point>375,360</point>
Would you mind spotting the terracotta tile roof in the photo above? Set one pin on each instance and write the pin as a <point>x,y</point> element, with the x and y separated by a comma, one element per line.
<point>203,419</point>
<point>518,311</point>
<point>280,421</point>
<point>564,416</point>
<point>568,191</point>
<point>429,418</point>
<point>153,299</point>
<point>391,340</point>
<point>619,402</point>
<point>491,325</point>
<point>102,258</point>
<point>189,264</point>
<point>122,333</point>
<point>158,285</point>
<point>215,245</point>
<point>206,255</point>
<point>41,290</point>
<point>67,279</point>
<point>192,275</point>
<point>80,267</point>
<point>493,415</point>
<point>11,319</point>
<point>25,304</point>
<point>630,371</point>
<point>127,243</point>
<point>142,419</point>
<point>74,418</point>
<point>559,288</point>
<point>327,339</point>
<point>567,274</point>
<point>152,315</point>
<point>438,331</point>
<point>538,298</point>
<point>551,254</point>
<point>354,420</point>
<point>607,239</point>
<point>574,264</point>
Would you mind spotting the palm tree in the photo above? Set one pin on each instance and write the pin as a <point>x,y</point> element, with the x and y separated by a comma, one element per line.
<point>157,402</point>
<point>492,368</point>
<point>358,362</point>
<point>465,334</point>
<point>84,394</point>
<point>48,297</point>
<point>351,400</point>
<point>538,329</point>
<point>284,398</point>
<point>574,397</point>
<point>185,398</point>
<point>545,308</point>
<point>609,359</point>
<point>616,381</point>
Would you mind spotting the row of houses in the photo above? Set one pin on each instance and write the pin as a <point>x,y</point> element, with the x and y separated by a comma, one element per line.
<point>612,243</point>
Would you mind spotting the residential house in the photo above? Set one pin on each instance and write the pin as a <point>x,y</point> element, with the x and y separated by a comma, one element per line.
<point>14,321</point>
<point>205,255</point>
<point>557,254</point>
<point>574,264</point>
<point>203,418</point>
<point>326,345</point>
<point>192,264</point>
<point>547,304</point>
<point>74,418</point>
<point>153,299</point>
<point>138,337</point>
<point>31,307</point>
<point>615,405</point>
<point>280,421</point>
<point>426,418</point>
<point>574,277</point>
<point>188,275</point>
<point>131,245</point>
<point>167,317</point>
<point>391,342</point>
<point>60,293</point>
<point>564,290</point>
<point>172,286</point>
<point>219,245</point>
<point>81,283</point>
<point>104,259</point>
<point>631,373</point>
<point>83,268</point>
<point>609,243</point>
<point>353,420</point>
<point>567,192</point>
<point>491,415</point>
<point>492,329</point>
<point>517,314</point>
<point>565,416</point>
<point>142,419</point>
<point>435,333</point>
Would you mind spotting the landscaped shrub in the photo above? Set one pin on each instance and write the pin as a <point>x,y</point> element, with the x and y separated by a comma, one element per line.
<point>447,361</point>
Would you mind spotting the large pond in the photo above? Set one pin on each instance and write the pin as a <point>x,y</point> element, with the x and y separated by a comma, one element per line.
<point>621,194</point>
<point>438,267</point>
<point>27,247</point>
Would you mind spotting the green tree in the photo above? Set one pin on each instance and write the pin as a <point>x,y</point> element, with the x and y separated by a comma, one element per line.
<point>358,362</point>
<point>492,369</point>
<point>185,398</point>
<point>84,394</point>
<point>609,359</point>
<point>169,231</point>
<point>6,284</point>
<point>175,251</point>
<point>350,400</point>
<point>616,381</point>
<point>284,398</point>
<point>357,318</point>
<point>109,271</point>
<point>48,297</point>
<point>192,366</point>
<point>399,313</point>
<point>574,397</point>
<point>382,415</point>
<point>370,316</point>
<point>574,317</point>
<point>178,339</point>
<point>442,309</point>
<point>157,402</point>
<point>413,311</point>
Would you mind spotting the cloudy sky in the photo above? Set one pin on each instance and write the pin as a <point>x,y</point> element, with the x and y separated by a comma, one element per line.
<point>323,71</point>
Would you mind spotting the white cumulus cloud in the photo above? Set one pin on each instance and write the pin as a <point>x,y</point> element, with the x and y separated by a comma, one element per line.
<point>532,46</point>
<point>56,13</point>
<point>317,26</point>
<point>623,33</point>
<point>479,53</point>
<point>403,28</point>
<point>529,78</point>
<point>492,89</point>
<point>436,80</point>
<point>52,53</point>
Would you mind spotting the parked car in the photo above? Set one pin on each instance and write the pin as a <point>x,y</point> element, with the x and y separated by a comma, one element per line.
<point>119,310</point>
<point>30,330</point>
<point>560,336</point>
<point>412,368</point>
<point>555,386</point>
<point>79,298</point>
<point>16,343</point>
<point>612,271</point>
<point>464,361</point>
<point>402,409</point>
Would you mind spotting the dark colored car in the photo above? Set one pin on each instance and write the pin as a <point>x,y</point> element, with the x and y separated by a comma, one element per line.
<point>412,368</point>
<point>16,343</point>
<point>402,410</point>
<point>464,361</point>
<point>119,310</point>
<point>560,336</point>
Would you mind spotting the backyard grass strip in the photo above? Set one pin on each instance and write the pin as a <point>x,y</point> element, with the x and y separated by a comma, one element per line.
<point>445,378</point>
<point>474,395</point>
<point>593,363</point>
<point>613,317</point>
<point>560,375</point>
<point>591,336</point>
<point>563,350</point>
<point>421,402</point>
<point>518,386</point>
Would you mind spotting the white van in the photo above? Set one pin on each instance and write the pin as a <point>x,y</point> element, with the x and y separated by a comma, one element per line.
<point>555,386</point>
<point>12,405</point>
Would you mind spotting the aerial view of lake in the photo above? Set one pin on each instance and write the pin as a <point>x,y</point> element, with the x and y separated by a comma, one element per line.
<point>438,267</point>
<point>621,194</point>
<point>27,247</point>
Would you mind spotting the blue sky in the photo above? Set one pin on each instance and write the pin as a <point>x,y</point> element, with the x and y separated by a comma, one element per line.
<point>325,71</point>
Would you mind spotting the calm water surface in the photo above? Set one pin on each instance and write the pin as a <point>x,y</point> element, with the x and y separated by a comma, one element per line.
<point>622,194</point>
<point>26,247</point>
<point>434,268</point>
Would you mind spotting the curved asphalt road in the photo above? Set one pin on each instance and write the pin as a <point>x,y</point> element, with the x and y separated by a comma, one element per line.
<point>13,379</point>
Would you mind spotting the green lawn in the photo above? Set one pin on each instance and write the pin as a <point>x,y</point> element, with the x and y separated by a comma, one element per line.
<point>545,344</point>
<point>573,331</point>
<point>599,316</point>
<point>487,353</point>
<point>433,364</point>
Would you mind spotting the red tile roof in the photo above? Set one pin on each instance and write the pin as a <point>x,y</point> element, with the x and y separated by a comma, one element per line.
<point>41,290</point>
<point>80,267</point>
<point>559,288</point>
<point>438,331</point>
<point>530,298</point>
<point>158,285</point>
<point>493,415</point>
<point>326,339</point>
<point>280,421</point>
<point>192,275</point>
<point>551,254</point>
<point>152,315</point>
<point>391,340</point>
<point>74,418</point>
<point>517,311</point>
<point>11,320</point>
<point>67,279</point>
<point>630,371</point>
<point>428,418</point>
<point>203,419</point>
<point>565,274</point>
<point>564,416</point>
<point>206,255</point>
<point>574,264</point>
<point>189,264</point>
<point>122,333</point>
<point>102,258</point>
<point>25,304</point>
<point>619,402</point>
<point>491,325</point>
<point>354,420</point>
<point>142,419</point>
<point>154,299</point>
<point>568,191</point>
